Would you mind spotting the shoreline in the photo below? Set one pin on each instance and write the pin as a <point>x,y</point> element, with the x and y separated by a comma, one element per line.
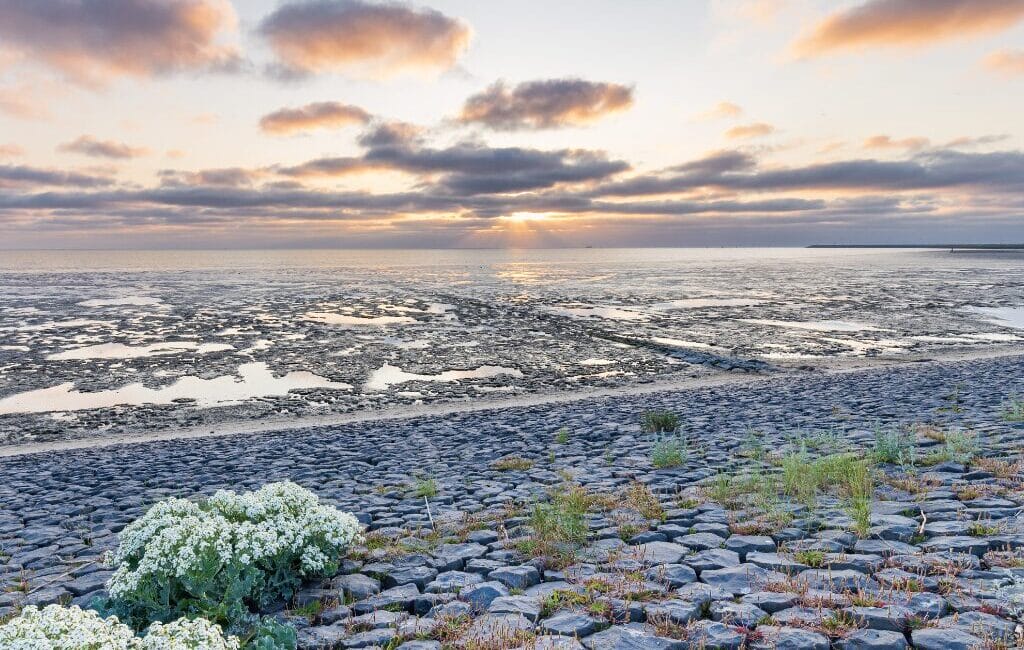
<point>233,428</point>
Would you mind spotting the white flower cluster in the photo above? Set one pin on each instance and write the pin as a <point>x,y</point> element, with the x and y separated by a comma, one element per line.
<point>71,628</point>
<point>185,634</point>
<point>280,520</point>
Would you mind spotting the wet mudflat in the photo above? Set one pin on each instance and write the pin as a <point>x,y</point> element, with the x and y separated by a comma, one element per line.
<point>100,344</point>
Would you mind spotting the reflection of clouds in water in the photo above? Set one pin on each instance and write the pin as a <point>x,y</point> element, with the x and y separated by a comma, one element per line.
<point>254,380</point>
<point>388,375</point>
<point>328,318</point>
<point>122,351</point>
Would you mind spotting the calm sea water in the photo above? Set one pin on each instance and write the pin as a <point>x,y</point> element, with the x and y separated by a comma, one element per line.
<point>315,331</point>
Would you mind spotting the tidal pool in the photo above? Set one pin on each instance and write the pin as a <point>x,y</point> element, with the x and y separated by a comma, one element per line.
<point>253,380</point>
<point>388,375</point>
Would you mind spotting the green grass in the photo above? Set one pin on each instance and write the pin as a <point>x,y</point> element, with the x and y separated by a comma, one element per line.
<point>310,610</point>
<point>1013,409</point>
<point>983,529</point>
<point>562,437</point>
<point>427,488</point>
<point>829,440</point>
<point>640,497</point>
<point>753,445</point>
<point>845,474</point>
<point>894,446</point>
<point>559,525</point>
<point>659,422</point>
<point>512,464</point>
<point>669,451</point>
<point>813,559</point>
<point>562,599</point>
<point>958,447</point>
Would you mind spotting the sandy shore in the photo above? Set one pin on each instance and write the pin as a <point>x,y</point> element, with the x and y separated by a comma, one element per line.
<point>229,428</point>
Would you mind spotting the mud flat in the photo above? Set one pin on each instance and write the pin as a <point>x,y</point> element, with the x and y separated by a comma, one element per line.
<point>706,549</point>
<point>102,346</point>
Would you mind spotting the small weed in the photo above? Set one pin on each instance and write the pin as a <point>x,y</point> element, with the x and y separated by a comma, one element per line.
<point>562,437</point>
<point>983,529</point>
<point>561,599</point>
<point>830,439</point>
<point>310,611</point>
<point>640,497</point>
<point>427,488</point>
<point>968,493</point>
<point>753,445</point>
<point>959,447</point>
<point>559,524</point>
<point>839,623</point>
<point>861,598</point>
<point>1013,409</point>
<point>512,464</point>
<point>953,400</point>
<point>894,446</point>
<point>668,451</point>
<point>813,559</point>
<point>999,468</point>
<point>659,422</point>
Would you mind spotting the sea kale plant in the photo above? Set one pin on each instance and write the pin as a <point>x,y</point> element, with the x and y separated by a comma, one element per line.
<point>226,558</point>
<point>71,628</point>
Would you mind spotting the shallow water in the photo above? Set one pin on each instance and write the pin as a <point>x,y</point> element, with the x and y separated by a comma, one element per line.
<point>372,328</point>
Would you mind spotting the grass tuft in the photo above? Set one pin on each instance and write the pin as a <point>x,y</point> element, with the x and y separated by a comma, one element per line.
<point>669,451</point>
<point>659,422</point>
<point>512,464</point>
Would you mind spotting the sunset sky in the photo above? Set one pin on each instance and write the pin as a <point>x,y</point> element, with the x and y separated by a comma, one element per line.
<point>351,123</point>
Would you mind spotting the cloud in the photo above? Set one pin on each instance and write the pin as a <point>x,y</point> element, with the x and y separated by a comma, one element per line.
<point>319,115</point>
<point>90,146</point>
<point>887,142</point>
<point>93,41</point>
<point>907,23</point>
<point>465,168</point>
<point>968,141</point>
<point>224,177</point>
<point>362,38</point>
<point>722,110</point>
<point>547,104</point>
<point>1008,62</point>
<point>11,151</point>
<point>25,176</point>
<point>1001,171</point>
<point>755,130</point>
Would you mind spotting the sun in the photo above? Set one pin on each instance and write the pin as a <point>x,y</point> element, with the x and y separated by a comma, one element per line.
<point>522,217</point>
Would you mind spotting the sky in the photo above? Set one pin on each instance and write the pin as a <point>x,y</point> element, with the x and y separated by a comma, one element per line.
<point>462,124</point>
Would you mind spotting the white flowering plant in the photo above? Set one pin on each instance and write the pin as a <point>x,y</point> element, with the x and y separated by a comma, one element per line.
<point>71,628</point>
<point>228,557</point>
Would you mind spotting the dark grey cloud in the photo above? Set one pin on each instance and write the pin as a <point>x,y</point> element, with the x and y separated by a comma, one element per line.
<point>90,146</point>
<point>465,168</point>
<point>318,115</point>
<point>224,177</point>
<point>944,168</point>
<point>465,186</point>
<point>369,39</point>
<point>545,104</point>
<point>92,41</point>
<point>23,175</point>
